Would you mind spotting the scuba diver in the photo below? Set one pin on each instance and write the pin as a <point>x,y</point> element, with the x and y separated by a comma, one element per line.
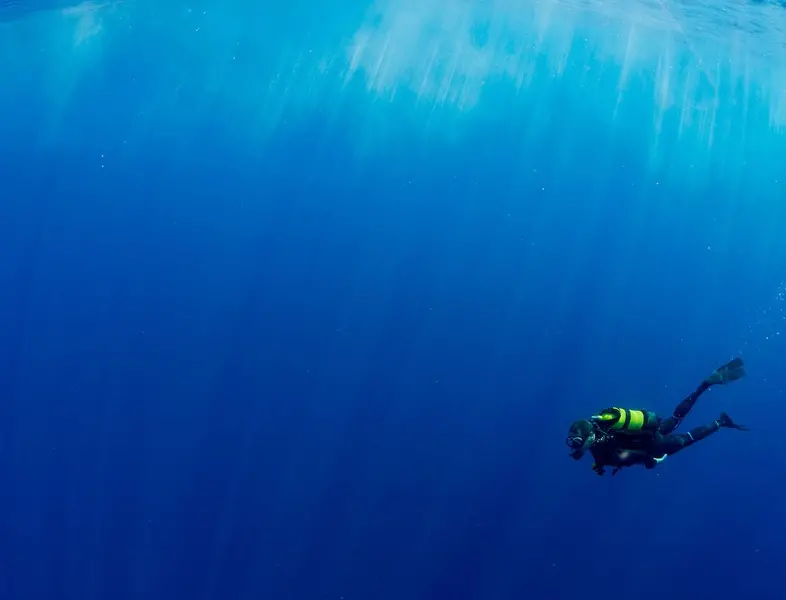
<point>623,437</point>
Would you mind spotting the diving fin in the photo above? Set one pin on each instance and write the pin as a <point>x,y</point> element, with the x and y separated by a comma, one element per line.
<point>725,421</point>
<point>731,371</point>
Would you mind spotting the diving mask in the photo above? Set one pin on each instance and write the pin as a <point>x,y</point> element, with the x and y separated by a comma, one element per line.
<point>579,443</point>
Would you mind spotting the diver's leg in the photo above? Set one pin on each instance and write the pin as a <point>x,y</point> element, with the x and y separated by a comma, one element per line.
<point>666,445</point>
<point>683,408</point>
<point>731,371</point>
<point>671,444</point>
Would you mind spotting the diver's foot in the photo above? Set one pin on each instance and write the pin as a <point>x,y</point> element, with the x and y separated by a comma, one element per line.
<point>731,371</point>
<point>725,421</point>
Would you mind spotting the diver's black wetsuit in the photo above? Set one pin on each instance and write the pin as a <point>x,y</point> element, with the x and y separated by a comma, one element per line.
<point>620,450</point>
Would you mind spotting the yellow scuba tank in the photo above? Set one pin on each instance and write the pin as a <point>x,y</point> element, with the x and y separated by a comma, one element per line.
<point>626,420</point>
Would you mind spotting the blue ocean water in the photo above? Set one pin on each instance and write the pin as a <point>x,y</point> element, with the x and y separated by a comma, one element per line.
<point>298,300</point>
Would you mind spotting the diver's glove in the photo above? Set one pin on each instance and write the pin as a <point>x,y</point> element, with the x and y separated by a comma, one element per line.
<point>598,469</point>
<point>731,371</point>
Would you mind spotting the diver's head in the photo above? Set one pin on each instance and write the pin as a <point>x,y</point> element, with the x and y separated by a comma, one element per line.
<point>581,436</point>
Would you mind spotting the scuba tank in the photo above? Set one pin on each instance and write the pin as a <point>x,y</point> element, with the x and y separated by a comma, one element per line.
<point>626,421</point>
